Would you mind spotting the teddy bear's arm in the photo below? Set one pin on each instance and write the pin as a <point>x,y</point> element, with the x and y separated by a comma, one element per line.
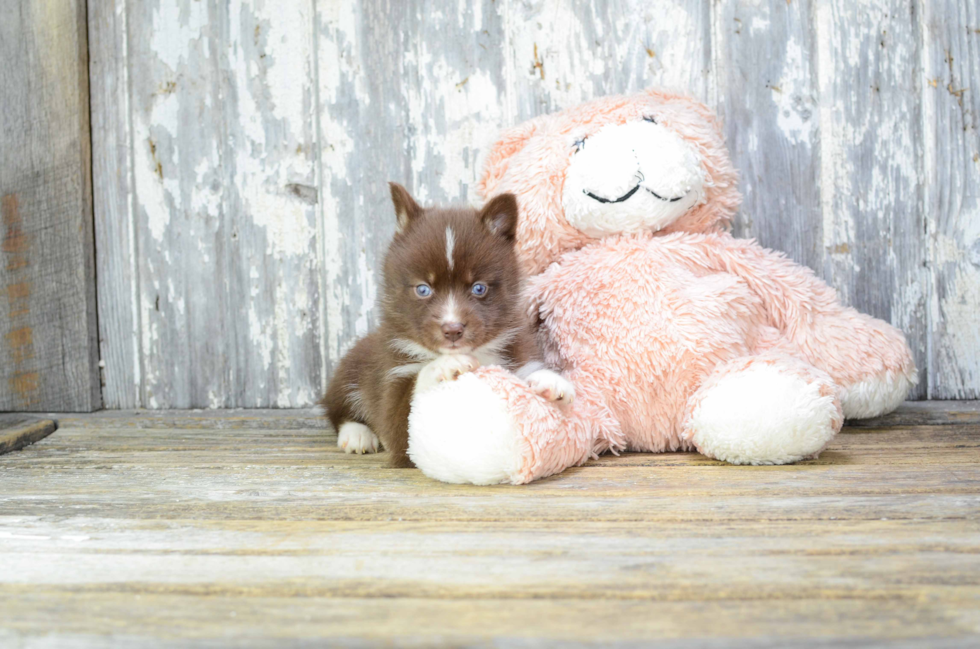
<point>791,293</point>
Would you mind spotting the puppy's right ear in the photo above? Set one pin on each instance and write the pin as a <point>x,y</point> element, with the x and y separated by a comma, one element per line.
<point>406,209</point>
<point>500,216</point>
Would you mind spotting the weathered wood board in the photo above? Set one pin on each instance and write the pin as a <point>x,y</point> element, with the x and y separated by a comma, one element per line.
<point>209,274</point>
<point>115,229</point>
<point>870,192</point>
<point>256,530</point>
<point>768,96</point>
<point>18,431</point>
<point>48,332</point>
<point>951,130</point>
<point>242,153</point>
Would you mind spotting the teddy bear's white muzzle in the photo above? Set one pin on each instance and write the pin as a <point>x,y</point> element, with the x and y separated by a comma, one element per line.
<point>630,177</point>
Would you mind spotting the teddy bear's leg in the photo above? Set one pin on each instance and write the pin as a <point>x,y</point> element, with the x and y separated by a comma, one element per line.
<point>489,427</point>
<point>766,409</point>
<point>867,358</point>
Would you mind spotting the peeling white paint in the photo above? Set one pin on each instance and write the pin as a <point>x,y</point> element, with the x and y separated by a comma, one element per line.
<point>283,29</point>
<point>339,47</point>
<point>472,116</point>
<point>339,26</point>
<point>149,185</point>
<point>258,333</point>
<point>149,335</point>
<point>284,315</point>
<point>759,25</point>
<point>792,99</point>
<point>837,227</point>
<point>287,221</point>
<point>173,27</point>
<point>369,295</point>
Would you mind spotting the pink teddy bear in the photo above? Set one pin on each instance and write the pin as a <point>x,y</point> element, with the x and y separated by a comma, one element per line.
<point>676,335</point>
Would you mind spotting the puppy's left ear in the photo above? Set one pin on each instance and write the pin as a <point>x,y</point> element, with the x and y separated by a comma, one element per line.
<point>407,210</point>
<point>500,216</point>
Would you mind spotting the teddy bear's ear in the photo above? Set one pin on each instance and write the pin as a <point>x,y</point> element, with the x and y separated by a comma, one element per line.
<point>406,209</point>
<point>498,159</point>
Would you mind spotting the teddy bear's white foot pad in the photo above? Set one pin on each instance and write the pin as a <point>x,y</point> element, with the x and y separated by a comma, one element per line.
<point>461,432</point>
<point>764,414</point>
<point>875,396</point>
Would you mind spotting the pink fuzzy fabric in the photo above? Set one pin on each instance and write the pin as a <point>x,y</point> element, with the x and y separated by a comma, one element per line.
<point>646,324</point>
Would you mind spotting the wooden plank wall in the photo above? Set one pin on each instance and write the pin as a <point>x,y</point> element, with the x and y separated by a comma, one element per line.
<point>242,151</point>
<point>950,36</point>
<point>48,332</point>
<point>209,264</point>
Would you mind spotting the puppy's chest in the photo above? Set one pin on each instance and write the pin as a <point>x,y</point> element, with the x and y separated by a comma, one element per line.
<point>403,371</point>
<point>491,357</point>
<point>409,368</point>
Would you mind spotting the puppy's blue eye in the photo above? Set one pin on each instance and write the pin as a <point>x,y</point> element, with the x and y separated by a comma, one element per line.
<point>578,145</point>
<point>479,289</point>
<point>650,118</point>
<point>423,290</point>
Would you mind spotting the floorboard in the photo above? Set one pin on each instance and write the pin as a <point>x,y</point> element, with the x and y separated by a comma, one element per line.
<point>252,529</point>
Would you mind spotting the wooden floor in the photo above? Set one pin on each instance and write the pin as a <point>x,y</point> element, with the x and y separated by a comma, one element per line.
<point>253,530</point>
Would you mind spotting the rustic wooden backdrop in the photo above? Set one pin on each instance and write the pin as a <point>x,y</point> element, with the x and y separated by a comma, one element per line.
<point>240,152</point>
<point>49,351</point>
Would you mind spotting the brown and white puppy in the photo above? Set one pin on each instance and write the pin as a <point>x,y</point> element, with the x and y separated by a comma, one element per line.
<point>450,303</point>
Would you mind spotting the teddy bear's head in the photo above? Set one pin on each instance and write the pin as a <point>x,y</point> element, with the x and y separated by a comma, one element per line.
<point>655,161</point>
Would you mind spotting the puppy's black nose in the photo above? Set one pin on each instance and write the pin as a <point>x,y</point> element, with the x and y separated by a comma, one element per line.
<point>452,331</point>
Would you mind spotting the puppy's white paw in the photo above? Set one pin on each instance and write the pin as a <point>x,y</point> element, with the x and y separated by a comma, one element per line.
<point>445,368</point>
<point>552,386</point>
<point>357,438</point>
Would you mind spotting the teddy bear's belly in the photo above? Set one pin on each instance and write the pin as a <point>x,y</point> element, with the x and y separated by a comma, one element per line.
<point>644,331</point>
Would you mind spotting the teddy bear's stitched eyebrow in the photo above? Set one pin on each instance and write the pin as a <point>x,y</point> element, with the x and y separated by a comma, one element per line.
<point>580,143</point>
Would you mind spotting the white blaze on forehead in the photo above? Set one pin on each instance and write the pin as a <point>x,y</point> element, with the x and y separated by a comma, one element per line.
<point>450,245</point>
<point>449,313</point>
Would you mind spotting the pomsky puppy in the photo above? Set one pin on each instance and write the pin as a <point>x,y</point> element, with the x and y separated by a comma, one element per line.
<point>450,303</point>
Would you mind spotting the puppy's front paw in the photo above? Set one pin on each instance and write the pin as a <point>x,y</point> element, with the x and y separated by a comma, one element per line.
<point>357,438</point>
<point>445,368</point>
<point>552,386</point>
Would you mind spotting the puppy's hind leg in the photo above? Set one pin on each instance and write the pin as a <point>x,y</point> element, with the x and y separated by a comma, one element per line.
<point>344,401</point>
<point>354,437</point>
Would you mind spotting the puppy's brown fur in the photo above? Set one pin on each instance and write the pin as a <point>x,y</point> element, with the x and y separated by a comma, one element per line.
<point>449,250</point>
